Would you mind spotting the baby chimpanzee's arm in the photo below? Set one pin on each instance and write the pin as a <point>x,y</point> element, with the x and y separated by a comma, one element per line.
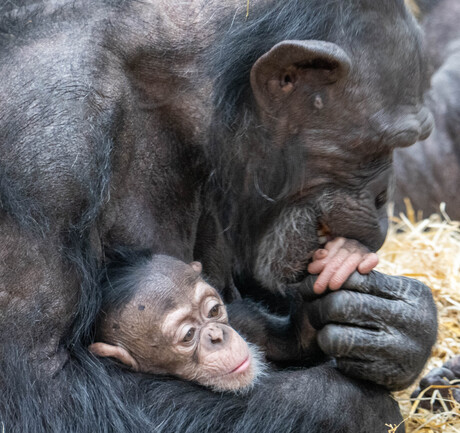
<point>337,261</point>
<point>281,338</point>
<point>292,338</point>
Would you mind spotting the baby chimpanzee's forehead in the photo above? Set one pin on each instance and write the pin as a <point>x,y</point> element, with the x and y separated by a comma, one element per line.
<point>166,280</point>
<point>172,296</point>
<point>169,291</point>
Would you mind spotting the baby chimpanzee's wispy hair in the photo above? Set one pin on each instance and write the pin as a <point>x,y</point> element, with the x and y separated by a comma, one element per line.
<point>120,279</point>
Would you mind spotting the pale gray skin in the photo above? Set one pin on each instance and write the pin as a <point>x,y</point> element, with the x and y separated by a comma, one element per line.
<point>109,134</point>
<point>429,172</point>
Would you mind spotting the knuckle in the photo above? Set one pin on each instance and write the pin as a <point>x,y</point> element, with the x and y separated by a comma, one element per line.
<point>329,339</point>
<point>336,340</point>
<point>336,303</point>
<point>343,299</point>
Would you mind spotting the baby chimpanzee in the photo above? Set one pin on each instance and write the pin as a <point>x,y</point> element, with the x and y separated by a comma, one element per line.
<point>159,316</point>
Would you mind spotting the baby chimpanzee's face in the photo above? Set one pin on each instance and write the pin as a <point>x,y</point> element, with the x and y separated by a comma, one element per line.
<point>181,329</point>
<point>211,352</point>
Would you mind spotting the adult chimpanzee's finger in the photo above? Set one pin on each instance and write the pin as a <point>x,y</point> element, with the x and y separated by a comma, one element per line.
<point>304,288</point>
<point>357,309</point>
<point>387,374</point>
<point>376,315</point>
<point>378,327</point>
<point>384,358</point>
<point>365,344</point>
<point>389,287</point>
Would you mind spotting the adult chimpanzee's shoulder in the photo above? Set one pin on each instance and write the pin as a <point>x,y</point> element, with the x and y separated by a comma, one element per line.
<point>54,52</point>
<point>21,23</point>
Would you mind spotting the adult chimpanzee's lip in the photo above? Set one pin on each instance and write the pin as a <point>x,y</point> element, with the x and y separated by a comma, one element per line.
<point>241,367</point>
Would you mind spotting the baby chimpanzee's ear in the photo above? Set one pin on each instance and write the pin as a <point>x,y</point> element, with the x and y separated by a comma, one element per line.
<point>197,267</point>
<point>117,352</point>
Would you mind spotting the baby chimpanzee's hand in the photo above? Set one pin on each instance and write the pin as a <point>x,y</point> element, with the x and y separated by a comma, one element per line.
<point>337,261</point>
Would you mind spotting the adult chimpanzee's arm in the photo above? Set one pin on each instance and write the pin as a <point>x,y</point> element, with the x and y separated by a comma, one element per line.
<point>314,400</point>
<point>378,327</point>
<point>281,338</point>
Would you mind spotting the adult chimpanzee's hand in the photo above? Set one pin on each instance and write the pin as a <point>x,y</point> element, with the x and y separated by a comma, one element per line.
<point>379,328</point>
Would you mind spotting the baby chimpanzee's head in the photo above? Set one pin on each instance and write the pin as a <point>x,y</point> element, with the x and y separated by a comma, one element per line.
<point>159,316</point>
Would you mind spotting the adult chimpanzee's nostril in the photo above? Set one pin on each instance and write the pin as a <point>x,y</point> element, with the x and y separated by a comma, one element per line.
<point>381,199</point>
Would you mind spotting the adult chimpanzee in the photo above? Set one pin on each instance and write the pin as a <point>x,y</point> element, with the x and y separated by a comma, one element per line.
<point>193,130</point>
<point>429,173</point>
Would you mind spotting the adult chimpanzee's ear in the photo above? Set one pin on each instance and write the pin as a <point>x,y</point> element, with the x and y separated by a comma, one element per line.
<point>289,64</point>
<point>197,267</point>
<point>117,352</point>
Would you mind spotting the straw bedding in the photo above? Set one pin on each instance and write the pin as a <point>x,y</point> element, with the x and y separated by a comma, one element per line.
<point>429,250</point>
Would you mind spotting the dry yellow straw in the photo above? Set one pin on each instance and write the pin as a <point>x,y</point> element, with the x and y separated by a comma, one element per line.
<point>429,250</point>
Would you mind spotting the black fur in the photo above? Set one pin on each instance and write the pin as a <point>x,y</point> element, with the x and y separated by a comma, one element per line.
<point>89,395</point>
<point>75,194</point>
<point>118,279</point>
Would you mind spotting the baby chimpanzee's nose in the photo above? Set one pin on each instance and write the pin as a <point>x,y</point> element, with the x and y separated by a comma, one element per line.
<point>215,333</point>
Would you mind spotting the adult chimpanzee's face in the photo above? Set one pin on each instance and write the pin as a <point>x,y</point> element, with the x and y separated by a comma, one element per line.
<point>334,112</point>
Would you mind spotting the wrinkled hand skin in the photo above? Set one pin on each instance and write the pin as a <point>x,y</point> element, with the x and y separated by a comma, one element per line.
<point>338,260</point>
<point>440,376</point>
<point>378,327</point>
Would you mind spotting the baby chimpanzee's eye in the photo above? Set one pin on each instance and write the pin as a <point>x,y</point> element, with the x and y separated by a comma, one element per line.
<point>189,336</point>
<point>214,311</point>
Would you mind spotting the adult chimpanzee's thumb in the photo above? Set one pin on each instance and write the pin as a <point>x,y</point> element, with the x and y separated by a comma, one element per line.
<point>305,289</point>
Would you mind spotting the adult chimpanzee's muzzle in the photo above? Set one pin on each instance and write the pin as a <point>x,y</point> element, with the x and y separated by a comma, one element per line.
<point>361,216</point>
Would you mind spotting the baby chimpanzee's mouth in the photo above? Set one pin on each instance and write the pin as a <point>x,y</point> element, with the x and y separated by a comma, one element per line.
<point>242,367</point>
